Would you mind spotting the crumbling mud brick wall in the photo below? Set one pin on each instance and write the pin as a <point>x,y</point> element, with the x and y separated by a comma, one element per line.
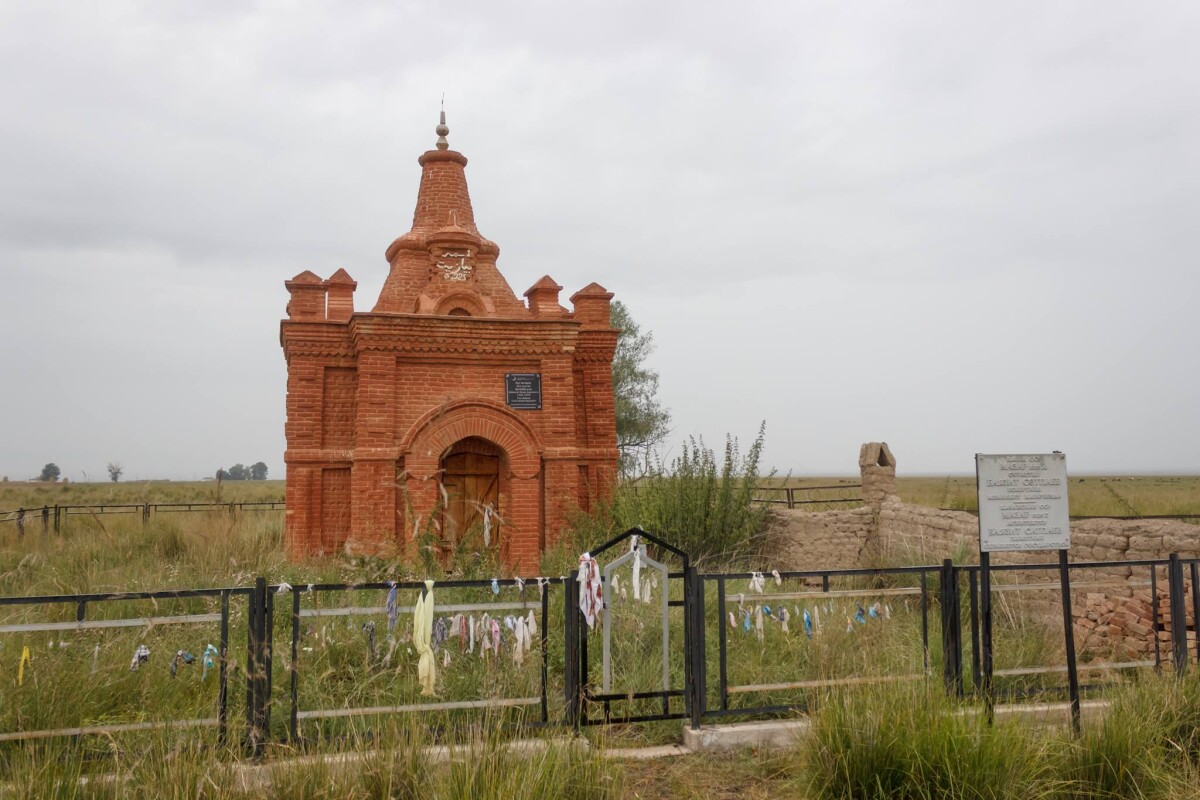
<point>1114,610</point>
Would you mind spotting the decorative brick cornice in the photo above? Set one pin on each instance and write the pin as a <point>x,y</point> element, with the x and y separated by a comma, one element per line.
<point>597,345</point>
<point>330,339</point>
<point>428,334</point>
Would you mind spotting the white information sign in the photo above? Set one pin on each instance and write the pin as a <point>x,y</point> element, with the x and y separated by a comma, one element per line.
<point>1023,502</point>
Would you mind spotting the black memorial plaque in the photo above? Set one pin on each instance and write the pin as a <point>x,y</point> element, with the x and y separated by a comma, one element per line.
<point>523,390</point>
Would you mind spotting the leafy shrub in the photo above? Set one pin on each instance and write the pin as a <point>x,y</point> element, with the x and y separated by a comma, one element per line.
<point>698,502</point>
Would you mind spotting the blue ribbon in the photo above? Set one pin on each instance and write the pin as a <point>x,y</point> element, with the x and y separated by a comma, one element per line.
<point>208,660</point>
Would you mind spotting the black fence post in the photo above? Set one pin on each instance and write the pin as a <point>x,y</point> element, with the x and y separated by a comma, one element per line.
<point>294,718</point>
<point>57,516</point>
<point>251,645</point>
<point>985,634</point>
<point>145,514</point>
<point>268,661</point>
<point>1064,577</point>
<point>20,522</point>
<point>223,675</point>
<point>45,519</point>
<point>256,668</point>
<point>925,622</point>
<point>722,645</point>
<point>1195,574</point>
<point>951,629</point>
<point>693,588</point>
<point>544,634</point>
<point>973,598</point>
<point>1179,653</point>
<point>571,639</point>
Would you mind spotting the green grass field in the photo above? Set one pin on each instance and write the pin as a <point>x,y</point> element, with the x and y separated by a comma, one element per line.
<point>34,494</point>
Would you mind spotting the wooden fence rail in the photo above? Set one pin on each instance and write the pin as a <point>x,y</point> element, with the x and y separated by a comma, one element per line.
<point>53,515</point>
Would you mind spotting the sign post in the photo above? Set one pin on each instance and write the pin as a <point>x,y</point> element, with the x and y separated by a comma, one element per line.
<point>1023,507</point>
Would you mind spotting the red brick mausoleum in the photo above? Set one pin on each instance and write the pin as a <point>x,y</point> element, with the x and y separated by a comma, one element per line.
<point>450,402</point>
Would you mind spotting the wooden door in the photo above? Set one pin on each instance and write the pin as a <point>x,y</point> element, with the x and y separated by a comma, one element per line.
<point>471,477</point>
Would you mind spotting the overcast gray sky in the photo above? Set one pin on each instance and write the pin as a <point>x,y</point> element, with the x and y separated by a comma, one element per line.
<point>956,227</point>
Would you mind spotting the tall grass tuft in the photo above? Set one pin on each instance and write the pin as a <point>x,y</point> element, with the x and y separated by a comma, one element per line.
<point>395,762</point>
<point>900,742</point>
<point>1148,743</point>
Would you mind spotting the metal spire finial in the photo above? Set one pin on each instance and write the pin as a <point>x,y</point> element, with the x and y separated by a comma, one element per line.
<point>442,130</point>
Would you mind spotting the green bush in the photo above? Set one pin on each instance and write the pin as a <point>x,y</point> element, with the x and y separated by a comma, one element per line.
<point>699,502</point>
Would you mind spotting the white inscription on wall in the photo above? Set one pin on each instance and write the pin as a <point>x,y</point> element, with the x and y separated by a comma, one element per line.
<point>1023,502</point>
<point>455,270</point>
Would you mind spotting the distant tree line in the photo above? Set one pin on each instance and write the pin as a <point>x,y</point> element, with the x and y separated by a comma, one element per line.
<point>240,472</point>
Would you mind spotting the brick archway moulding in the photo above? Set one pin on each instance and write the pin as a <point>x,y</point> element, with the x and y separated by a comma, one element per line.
<point>440,428</point>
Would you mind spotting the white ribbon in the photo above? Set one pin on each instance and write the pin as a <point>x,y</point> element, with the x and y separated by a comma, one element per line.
<point>485,642</point>
<point>519,635</point>
<point>591,593</point>
<point>140,655</point>
<point>757,582</point>
<point>531,625</point>
<point>637,567</point>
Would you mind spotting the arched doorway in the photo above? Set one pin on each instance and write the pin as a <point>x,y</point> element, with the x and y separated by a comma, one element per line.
<point>471,474</point>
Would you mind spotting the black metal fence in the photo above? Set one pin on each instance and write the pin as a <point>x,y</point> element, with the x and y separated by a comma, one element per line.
<point>96,614</point>
<point>732,644</point>
<point>818,599</point>
<point>481,672</point>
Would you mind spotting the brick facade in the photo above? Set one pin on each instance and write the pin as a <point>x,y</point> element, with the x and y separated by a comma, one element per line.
<point>378,402</point>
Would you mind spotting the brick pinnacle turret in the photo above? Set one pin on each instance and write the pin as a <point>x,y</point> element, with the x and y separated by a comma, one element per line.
<point>443,216</point>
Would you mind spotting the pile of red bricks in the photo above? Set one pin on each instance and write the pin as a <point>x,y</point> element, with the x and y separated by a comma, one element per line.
<point>1109,626</point>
